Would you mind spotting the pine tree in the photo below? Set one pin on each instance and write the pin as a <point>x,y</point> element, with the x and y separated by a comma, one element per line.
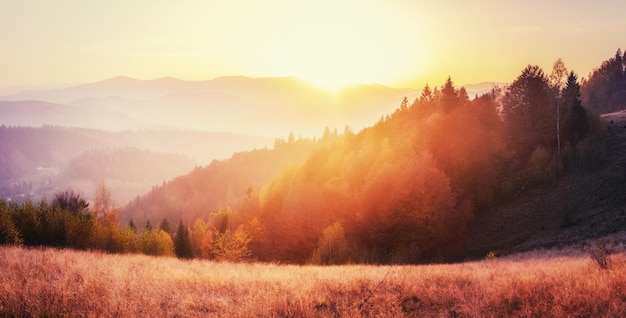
<point>575,124</point>
<point>165,226</point>
<point>427,95</point>
<point>605,89</point>
<point>132,226</point>
<point>528,112</point>
<point>182,242</point>
<point>9,235</point>
<point>449,96</point>
<point>404,106</point>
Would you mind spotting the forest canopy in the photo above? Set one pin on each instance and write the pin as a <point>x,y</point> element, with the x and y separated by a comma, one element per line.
<point>404,190</point>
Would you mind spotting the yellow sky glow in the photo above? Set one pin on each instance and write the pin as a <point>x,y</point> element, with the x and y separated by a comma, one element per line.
<point>329,43</point>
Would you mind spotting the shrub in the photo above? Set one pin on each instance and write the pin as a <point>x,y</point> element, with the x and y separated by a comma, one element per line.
<point>590,154</point>
<point>491,257</point>
<point>231,246</point>
<point>156,243</point>
<point>601,256</point>
<point>332,247</point>
<point>543,166</point>
<point>70,201</point>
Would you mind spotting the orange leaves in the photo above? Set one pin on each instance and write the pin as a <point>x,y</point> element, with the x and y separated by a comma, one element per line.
<point>466,149</point>
<point>409,202</point>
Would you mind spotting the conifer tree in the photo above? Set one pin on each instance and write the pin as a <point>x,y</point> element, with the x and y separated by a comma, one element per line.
<point>8,233</point>
<point>132,226</point>
<point>575,115</point>
<point>427,95</point>
<point>449,96</point>
<point>404,106</point>
<point>527,110</point>
<point>165,226</point>
<point>182,242</point>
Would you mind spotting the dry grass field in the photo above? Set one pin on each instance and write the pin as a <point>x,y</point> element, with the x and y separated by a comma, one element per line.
<point>48,282</point>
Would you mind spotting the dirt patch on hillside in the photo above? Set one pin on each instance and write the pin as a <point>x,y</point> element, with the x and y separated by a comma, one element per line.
<point>576,208</point>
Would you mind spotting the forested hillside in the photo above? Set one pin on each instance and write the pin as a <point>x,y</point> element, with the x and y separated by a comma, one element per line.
<point>605,89</point>
<point>220,184</point>
<point>127,171</point>
<point>403,190</point>
<point>36,162</point>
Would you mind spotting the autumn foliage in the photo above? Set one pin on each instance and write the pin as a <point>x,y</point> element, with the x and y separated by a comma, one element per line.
<point>402,191</point>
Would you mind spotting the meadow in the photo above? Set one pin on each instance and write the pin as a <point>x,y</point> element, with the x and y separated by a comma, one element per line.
<point>49,282</point>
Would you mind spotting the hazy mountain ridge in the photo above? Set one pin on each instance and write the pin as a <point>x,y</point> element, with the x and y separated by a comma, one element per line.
<point>38,113</point>
<point>33,160</point>
<point>477,89</point>
<point>220,184</point>
<point>257,106</point>
<point>127,171</point>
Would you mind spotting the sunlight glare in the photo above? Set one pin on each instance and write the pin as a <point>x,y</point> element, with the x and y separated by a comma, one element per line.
<point>332,50</point>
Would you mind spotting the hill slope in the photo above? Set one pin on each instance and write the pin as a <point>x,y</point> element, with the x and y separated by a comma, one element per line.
<point>566,212</point>
<point>434,181</point>
<point>217,185</point>
<point>37,113</point>
<point>33,160</point>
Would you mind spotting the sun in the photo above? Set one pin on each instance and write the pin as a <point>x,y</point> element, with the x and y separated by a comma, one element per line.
<point>330,83</point>
<point>333,51</point>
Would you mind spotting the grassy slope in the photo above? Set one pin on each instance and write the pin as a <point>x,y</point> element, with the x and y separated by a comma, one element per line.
<point>50,282</point>
<point>564,213</point>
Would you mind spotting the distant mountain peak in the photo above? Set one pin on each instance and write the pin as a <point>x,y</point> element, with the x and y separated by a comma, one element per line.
<point>120,78</point>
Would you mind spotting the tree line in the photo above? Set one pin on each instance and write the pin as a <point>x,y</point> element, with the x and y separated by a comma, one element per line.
<point>404,190</point>
<point>68,222</point>
<point>605,88</point>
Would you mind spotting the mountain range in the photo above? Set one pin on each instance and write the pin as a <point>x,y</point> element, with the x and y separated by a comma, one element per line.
<point>252,106</point>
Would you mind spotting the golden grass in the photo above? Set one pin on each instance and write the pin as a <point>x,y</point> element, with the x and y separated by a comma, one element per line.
<point>47,282</point>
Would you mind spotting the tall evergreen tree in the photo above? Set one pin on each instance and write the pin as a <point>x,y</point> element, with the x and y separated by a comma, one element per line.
<point>527,110</point>
<point>148,226</point>
<point>618,71</point>
<point>427,95</point>
<point>575,125</point>
<point>182,242</point>
<point>449,96</point>
<point>9,235</point>
<point>605,89</point>
<point>404,106</point>
<point>165,226</point>
<point>132,226</point>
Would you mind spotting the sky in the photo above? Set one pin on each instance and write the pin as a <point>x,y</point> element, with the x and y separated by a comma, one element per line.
<point>46,44</point>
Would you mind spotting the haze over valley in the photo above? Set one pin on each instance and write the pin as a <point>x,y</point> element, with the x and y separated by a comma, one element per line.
<point>200,120</point>
<point>268,107</point>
